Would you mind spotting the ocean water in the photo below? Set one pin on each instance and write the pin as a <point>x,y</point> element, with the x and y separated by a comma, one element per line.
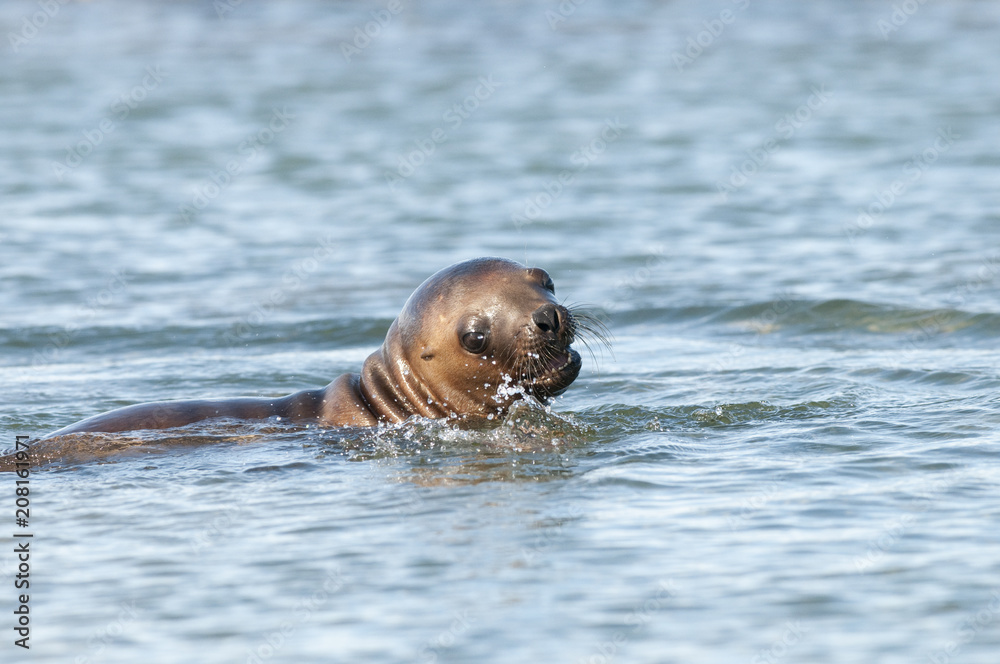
<point>786,214</point>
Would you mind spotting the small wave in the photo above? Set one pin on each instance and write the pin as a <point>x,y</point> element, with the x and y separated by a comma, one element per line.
<point>968,380</point>
<point>43,344</point>
<point>617,420</point>
<point>840,317</point>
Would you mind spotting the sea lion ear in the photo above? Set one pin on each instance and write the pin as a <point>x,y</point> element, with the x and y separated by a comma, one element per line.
<point>543,279</point>
<point>427,355</point>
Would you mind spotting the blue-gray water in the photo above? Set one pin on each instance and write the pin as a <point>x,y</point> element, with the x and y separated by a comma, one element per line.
<point>790,456</point>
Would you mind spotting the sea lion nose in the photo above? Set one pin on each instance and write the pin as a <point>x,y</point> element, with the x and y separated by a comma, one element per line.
<point>546,317</point>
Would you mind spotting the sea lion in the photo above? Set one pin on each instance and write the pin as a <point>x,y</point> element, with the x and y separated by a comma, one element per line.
<point>469,341</point>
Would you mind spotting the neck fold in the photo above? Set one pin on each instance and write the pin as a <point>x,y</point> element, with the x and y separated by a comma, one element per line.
<point>392,389</point>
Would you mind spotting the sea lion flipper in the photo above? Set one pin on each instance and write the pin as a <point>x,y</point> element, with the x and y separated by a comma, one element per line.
<point>168,414</point>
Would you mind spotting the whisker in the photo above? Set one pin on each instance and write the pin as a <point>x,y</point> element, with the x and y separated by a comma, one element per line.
<point>591,329</point>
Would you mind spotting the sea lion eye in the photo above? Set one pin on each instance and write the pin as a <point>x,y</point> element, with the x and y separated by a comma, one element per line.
<point>548,285</point>
<point>474,342</point>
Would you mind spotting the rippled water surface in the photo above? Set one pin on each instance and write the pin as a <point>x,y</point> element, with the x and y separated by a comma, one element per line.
<point>786,211</point>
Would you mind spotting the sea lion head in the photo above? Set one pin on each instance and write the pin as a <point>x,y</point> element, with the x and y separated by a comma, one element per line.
<point>471,339</point>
